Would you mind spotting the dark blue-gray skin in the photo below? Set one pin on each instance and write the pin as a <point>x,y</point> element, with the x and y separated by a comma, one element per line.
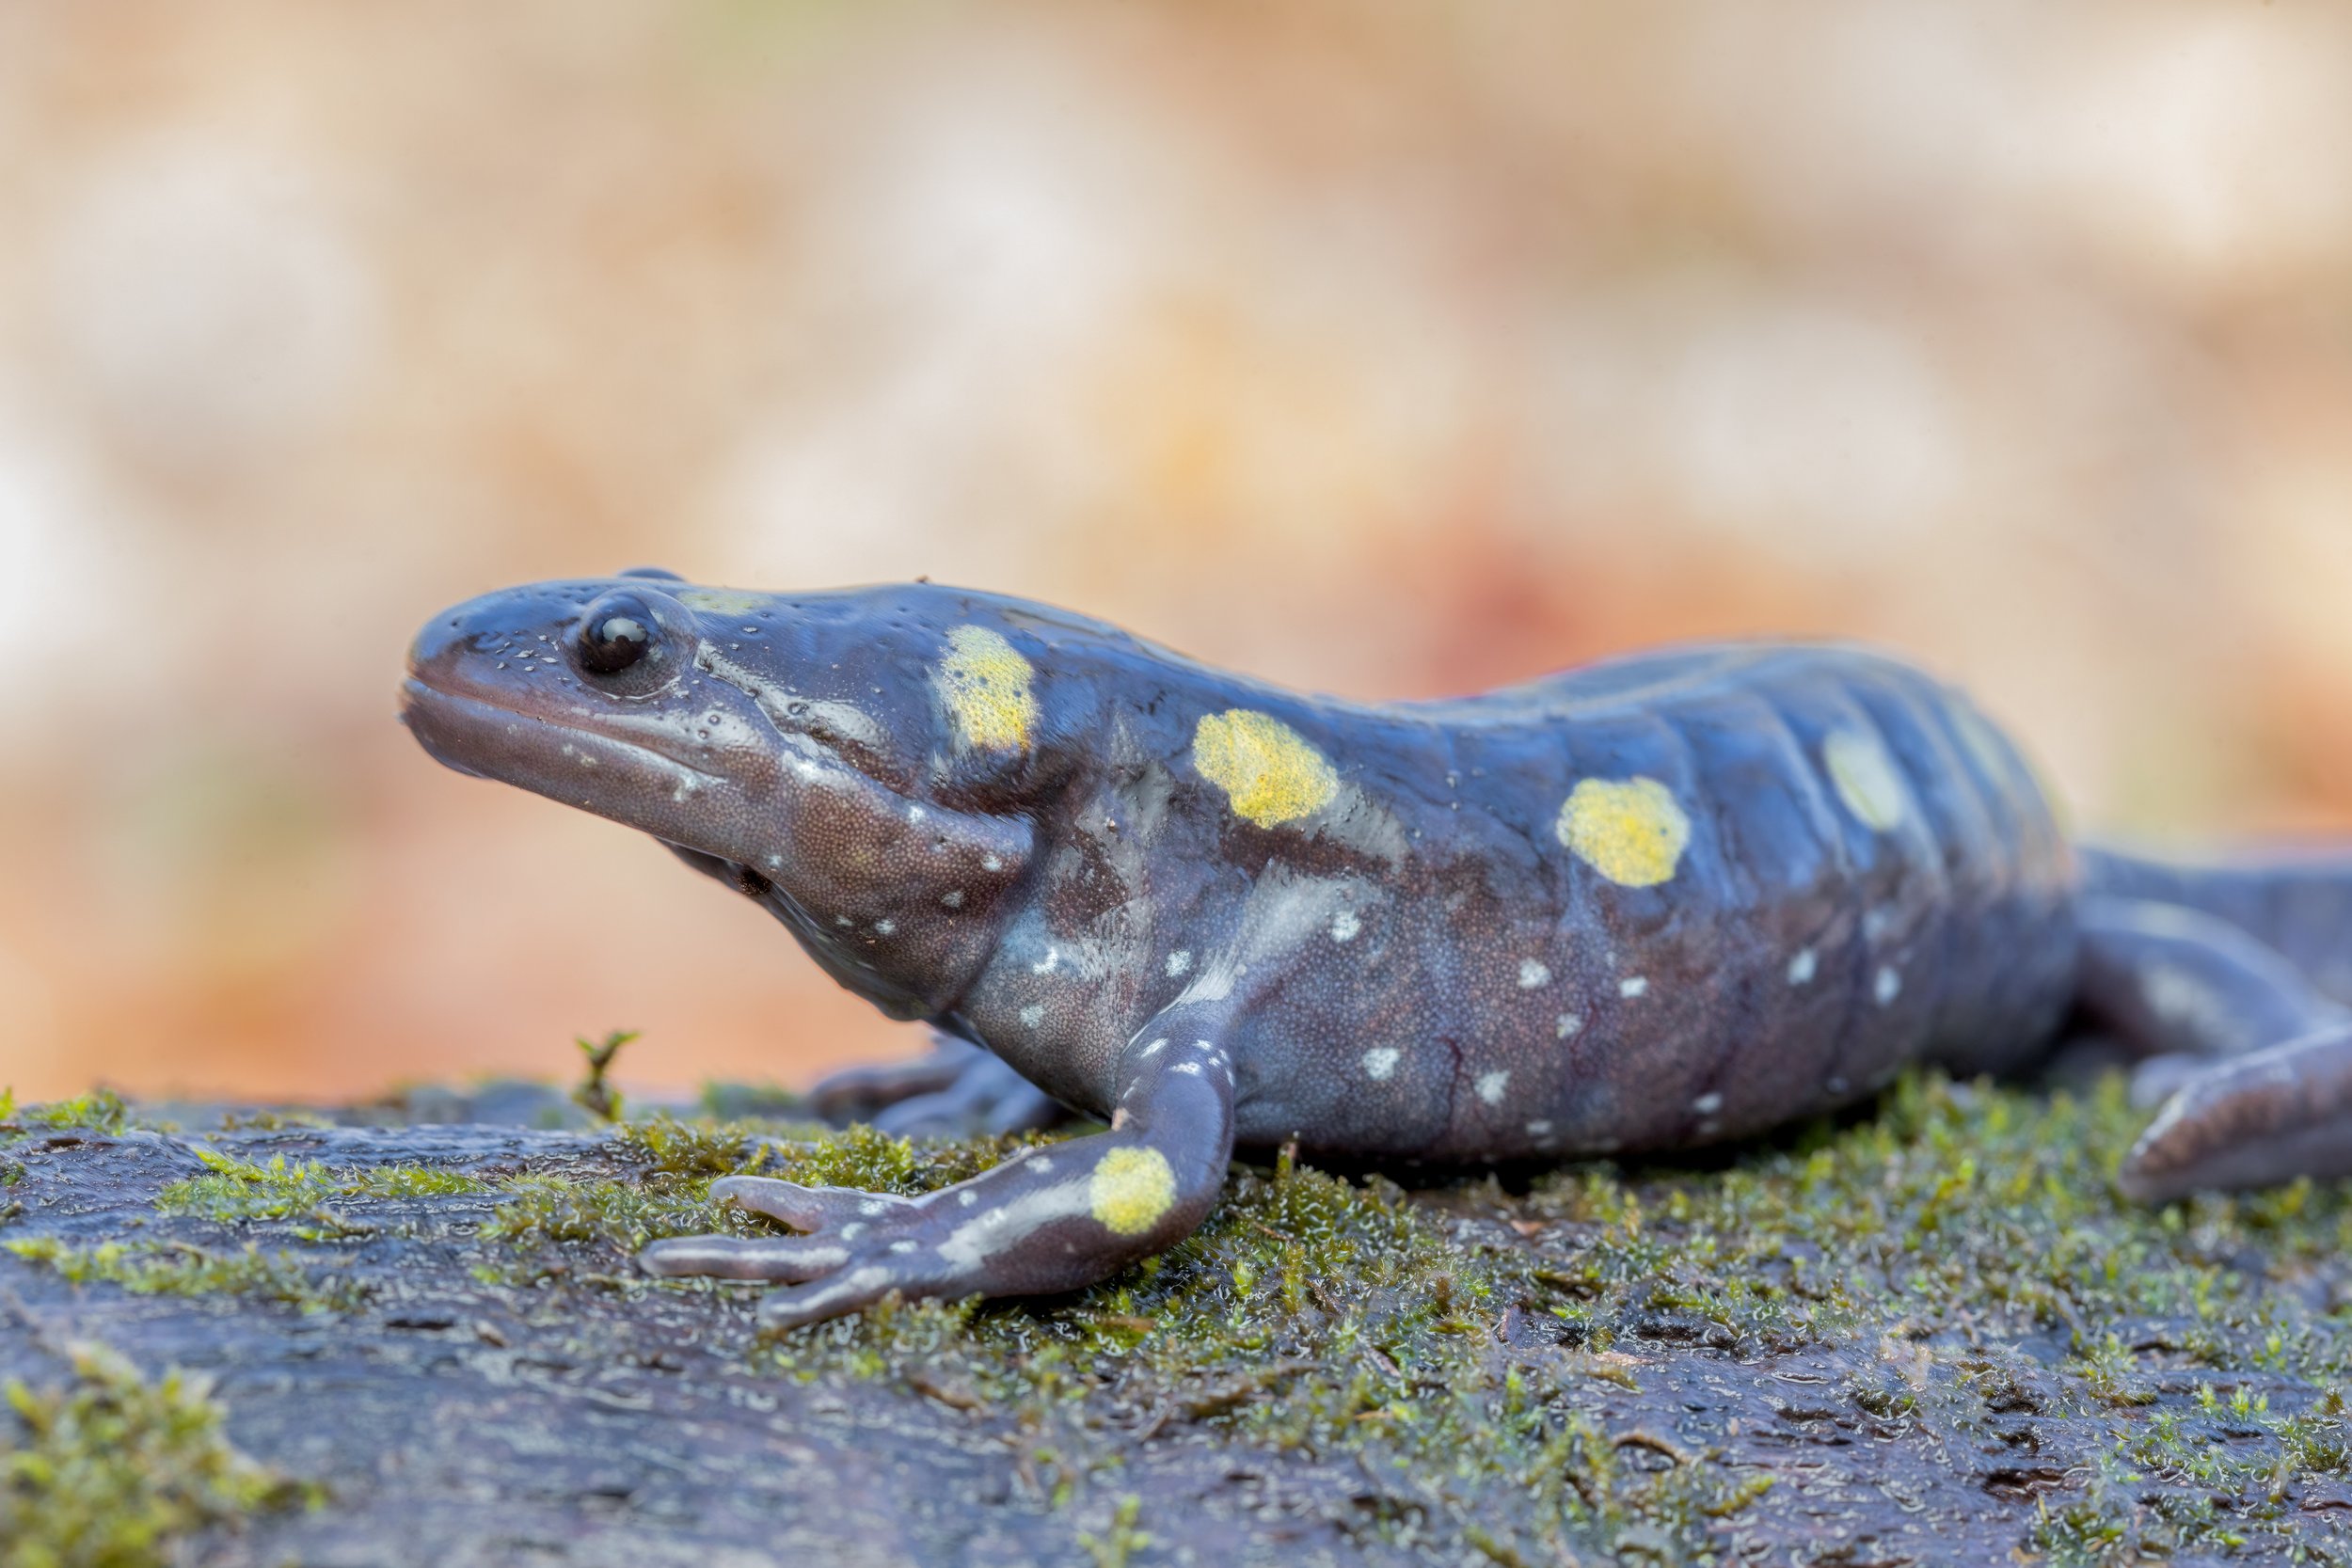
<point>1664,901</point>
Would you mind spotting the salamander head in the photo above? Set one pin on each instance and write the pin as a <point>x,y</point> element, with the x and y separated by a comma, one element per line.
<point>866,763</point>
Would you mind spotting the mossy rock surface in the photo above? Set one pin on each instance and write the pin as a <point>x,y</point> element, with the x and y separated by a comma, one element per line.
<point>1932,1334</point>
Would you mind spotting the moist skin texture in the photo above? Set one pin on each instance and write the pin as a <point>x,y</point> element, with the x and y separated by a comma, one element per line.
<point>1665,900</point>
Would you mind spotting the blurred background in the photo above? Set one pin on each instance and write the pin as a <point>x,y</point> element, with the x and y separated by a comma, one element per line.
<point>1382,349</point>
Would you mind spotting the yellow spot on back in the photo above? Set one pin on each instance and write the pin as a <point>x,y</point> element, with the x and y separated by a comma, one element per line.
<point>1131,1189</point>
<point>1866,777</point>
<point>719,601</point>
<point>1266,768</point>
<point>985,683</point>
<point>1985,743</point>
<point>1632,831</point>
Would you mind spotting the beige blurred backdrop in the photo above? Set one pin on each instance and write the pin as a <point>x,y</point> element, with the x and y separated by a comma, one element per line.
<point>1383,349</point>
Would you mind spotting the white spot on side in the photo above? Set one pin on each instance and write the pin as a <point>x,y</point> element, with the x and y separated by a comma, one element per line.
<point>967,1197</point>
<point>850,1232</point>
<point>1344,926</point>
<point>1539,1130</point>
<point>990,863</point>
<point>952,898</point>
<point>1804,967</point>
<point>1380,1061</point>
<point>1040,1163</point>
<point>1179,961</point>
<point>1567,1023</point>
<point>1534,973</point>
<point>1033,1015</point>
<point>1490,1086</point>
<point>1707,1104</point>
<point>1192,1069</point>
<point>885,927</point>
<point>1631,987</point>
<point>1046,965</point>
<point>1154,1049</point>
<point>1888,985</point>
<point>904,1247</point>
<point>870,1209</point>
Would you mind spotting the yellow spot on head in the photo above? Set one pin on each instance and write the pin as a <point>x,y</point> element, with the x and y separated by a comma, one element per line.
<point>1131,1189</point>
<point>985,683</point>
<point>1631,831</point>
<point>719,601</point>
<point>1266,768</point>
<point>1866,777</point>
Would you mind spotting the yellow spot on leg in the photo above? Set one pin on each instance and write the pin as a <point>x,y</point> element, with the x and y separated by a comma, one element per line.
<point>984,683</point>
<point>1631,831</point>
<point>1266,768</point>
<point>1131,1189</point>
<point>1866,779</point>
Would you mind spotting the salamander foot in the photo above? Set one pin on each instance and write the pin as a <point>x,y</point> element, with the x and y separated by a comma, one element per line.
<point>2251,1122</point>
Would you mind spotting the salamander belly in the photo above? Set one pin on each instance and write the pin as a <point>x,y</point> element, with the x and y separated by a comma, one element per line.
<point>1671,900</point>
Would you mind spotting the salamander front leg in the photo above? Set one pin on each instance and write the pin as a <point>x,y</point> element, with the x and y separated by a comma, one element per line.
<point>957,1091</point>
<point>1051,1219</point>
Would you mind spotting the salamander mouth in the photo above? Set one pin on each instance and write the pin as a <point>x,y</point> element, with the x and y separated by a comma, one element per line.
<point>457,728</point>
<point>625,781</point>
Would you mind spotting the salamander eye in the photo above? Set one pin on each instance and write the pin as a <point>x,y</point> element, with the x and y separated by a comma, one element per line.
<point>615,633</point>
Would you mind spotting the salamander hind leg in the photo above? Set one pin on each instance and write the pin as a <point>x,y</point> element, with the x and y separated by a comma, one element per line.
<point>1050,1219</point>
<point>2181,990</point>
<point>2253,1065</point>
<point>2251,1122</point>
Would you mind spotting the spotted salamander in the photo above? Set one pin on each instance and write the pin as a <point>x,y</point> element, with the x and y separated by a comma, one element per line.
<point>1667,900</point>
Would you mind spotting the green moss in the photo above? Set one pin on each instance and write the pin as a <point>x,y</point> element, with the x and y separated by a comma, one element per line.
<point>1323,1316</point>
<point>670,1146</point>
<point>1117,1544</point>
<point>552,1224</point>
<point>1313,1315</point>
<point>1457,1346</point>
<point>178,1269</point>
<point>560,1225</point>
<point>101,1111</point>
<point>236,1189</point>
<point>548,1223</point>
<point>110,1471</point>
<point>271,1120</point>
<point>595,1093</point>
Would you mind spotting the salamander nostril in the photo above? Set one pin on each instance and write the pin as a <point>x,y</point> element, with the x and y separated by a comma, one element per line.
<point>615,633</point>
